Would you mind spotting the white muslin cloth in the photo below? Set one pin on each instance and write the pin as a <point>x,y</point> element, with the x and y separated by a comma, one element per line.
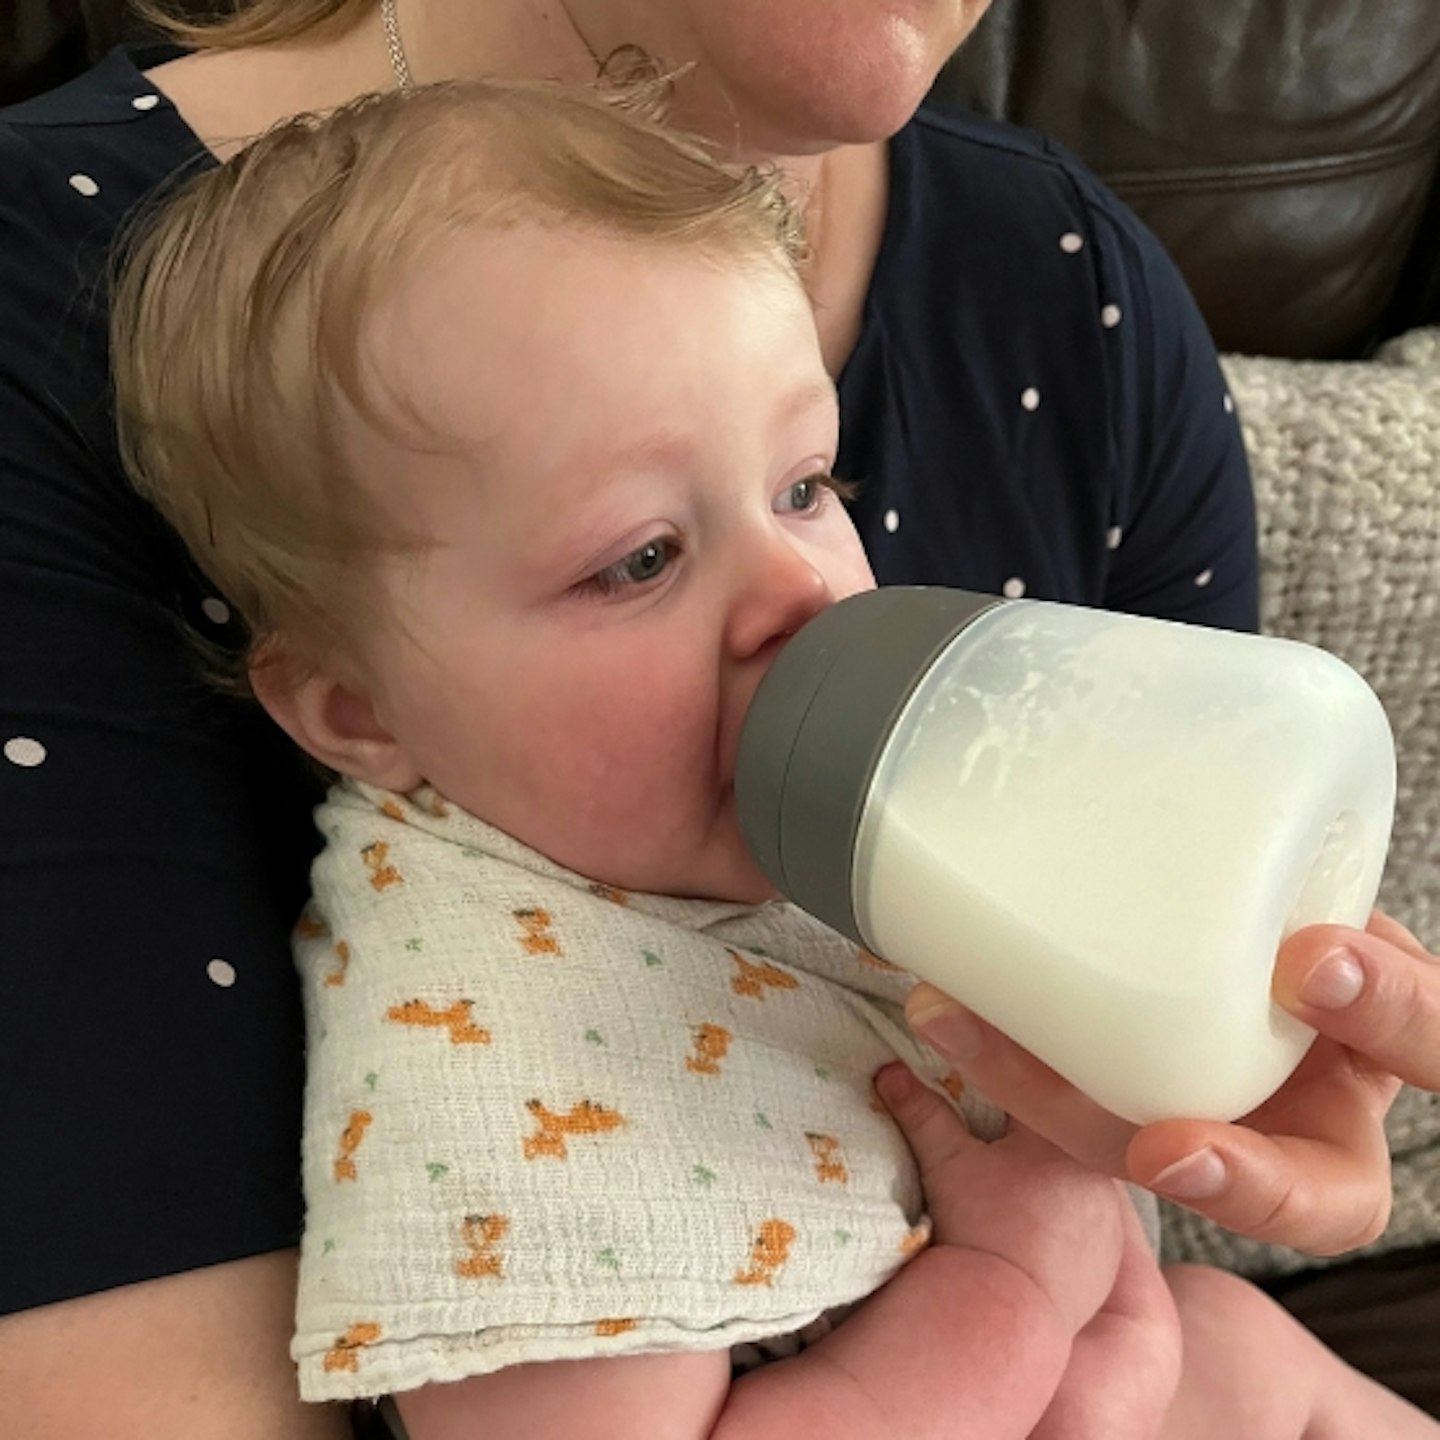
<point>546,1119</point>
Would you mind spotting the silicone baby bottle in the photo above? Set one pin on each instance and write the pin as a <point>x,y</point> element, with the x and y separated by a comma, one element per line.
<point>1092,829</point>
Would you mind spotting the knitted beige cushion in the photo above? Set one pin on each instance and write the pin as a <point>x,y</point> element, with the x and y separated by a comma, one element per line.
<point>1347,476</point>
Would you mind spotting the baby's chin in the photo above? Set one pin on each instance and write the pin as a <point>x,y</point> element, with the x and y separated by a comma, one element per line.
<point>727,872</point>
<point>755,891</point>
<point>728,875</point>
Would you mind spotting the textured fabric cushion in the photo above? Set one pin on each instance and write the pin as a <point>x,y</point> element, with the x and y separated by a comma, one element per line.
<point>1347,476</point>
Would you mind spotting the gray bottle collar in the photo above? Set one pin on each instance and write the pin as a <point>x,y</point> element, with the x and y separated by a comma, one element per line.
<point>818,726</point>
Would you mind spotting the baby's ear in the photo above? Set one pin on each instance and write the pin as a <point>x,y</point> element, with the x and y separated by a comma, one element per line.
<point>330,718</point>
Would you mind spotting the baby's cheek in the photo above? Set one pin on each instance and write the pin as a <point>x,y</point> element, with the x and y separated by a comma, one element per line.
<point>846,568</point>
<point>653,770</point>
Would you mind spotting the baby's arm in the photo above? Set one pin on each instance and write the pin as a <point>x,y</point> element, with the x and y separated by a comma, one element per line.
<point>674,1396</point>
<point>970,1339</point>
<point>1252,1369</point>
<point>959,1344</point>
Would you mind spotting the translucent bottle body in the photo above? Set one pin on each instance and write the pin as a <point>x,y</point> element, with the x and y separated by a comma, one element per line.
<point>1095,830</point>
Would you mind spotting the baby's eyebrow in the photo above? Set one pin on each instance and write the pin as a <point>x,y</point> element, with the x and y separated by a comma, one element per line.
<point>668,443</point>
<point>653,447</point>
<point>812,395</point>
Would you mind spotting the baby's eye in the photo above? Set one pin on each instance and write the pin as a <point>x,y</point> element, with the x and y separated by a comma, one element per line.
<point>806,495</point>
<point>639,567</point>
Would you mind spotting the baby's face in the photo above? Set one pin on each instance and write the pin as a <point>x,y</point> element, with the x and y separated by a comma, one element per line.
<point>633,529</point>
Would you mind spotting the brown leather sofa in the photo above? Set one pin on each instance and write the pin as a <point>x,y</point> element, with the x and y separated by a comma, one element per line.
<point>45,42</point>
<point>1287,153</point>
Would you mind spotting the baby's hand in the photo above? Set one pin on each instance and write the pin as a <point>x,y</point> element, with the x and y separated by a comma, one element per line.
<point>1125,1364</point>
<point>1018,1198</point>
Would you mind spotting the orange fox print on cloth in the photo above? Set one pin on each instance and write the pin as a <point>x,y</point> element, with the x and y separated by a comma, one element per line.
<point>344,1354</point>
<point>382,875</point>
<point>546,1119</point>
<point>538,938</point>
<point>582,1118</point>
<point>756,978</point>
<point>712,1042</point>
<point>768,1253</point>
<point>342,955</point>
<point>611,893</point>
<point>482,1235</point>
<point>350,1138</point>
<point>307,927</point>
<point>913,1241</point>
<point>453,1019</point>
<point>828,1164</point>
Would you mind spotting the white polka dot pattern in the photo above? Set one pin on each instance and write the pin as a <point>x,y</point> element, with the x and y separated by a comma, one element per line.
<point>892,520</point>
<point>1229,404</point>
<point>1110,316</point>
<point>1204,578</point>
<point>145,102</point>
<point>1071,243</point>
<point>83,185</point>
<point>1030,399</point>
<point>221,973</point>
<point>21,750</point>
<point>1013,588</point>
<point>216,610</point>
<point>1113,536</point>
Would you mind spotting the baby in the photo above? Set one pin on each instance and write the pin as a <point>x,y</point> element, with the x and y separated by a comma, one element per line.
<point>498,412</point>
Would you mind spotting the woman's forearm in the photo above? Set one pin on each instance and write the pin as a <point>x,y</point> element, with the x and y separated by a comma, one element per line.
<point>197,1356</point>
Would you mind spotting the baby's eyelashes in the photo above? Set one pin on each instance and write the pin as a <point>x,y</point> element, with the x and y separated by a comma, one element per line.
<point>642,566</point>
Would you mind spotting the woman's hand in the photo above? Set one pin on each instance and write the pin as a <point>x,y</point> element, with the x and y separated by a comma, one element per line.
<point>1376,991</point>
<point>1310,1167</point>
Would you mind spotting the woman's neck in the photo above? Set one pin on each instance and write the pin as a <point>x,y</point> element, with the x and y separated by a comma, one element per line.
<point>528,39</point>
<point>229,96</point>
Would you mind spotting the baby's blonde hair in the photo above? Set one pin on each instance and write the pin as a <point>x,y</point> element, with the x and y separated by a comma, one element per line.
<point>238,314</point>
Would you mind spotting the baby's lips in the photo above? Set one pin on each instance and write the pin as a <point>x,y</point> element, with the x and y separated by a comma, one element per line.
<point>727,739</point>
<point>736,707</point>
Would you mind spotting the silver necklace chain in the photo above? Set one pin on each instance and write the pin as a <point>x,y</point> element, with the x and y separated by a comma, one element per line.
<point>393,43</point>
<point>400,64</point>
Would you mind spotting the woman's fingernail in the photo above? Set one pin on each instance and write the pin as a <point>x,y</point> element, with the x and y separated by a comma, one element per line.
<point>1200,1176</point>
<point>949,1028</point>
<point>1334,983</point>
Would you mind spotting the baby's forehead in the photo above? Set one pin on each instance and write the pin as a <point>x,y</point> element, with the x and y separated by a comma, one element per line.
<point>543,350</point>
<point>512,246</point>
<point>536,289</point>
